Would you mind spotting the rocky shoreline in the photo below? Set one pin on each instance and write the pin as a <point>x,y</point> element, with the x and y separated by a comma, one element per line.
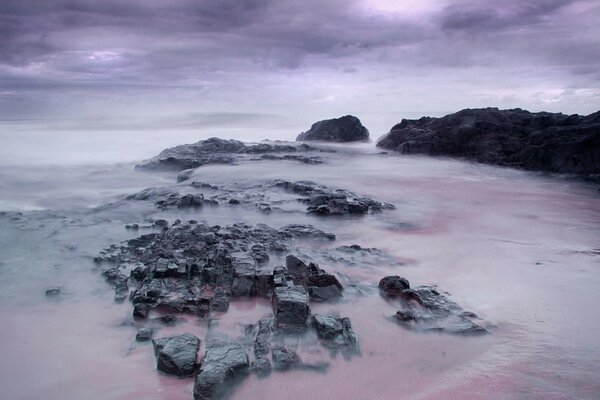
<point>189,269</point>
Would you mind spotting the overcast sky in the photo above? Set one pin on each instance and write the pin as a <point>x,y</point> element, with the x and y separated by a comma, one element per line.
<point>246,61</point>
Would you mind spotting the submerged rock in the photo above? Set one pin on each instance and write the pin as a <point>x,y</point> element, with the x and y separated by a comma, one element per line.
<point>284,358</point>
<point>536,141</point>
<point>176,355</point>
<point>144,334</point>
<point>224,362</point>
<point>53,291</point>
<point>426,309</point>
<point>344,129</point>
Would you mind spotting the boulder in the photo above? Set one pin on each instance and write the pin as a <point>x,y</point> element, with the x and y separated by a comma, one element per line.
<point>553,142</point>
<point>393,286</point>
<point>176,355</point>
<point>340,130</point>
<point>224,362</point>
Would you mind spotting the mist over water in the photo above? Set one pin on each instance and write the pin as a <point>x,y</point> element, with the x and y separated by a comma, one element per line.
<point>519,249</point>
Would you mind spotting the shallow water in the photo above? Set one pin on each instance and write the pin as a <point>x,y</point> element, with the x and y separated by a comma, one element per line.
<point>519,249</point>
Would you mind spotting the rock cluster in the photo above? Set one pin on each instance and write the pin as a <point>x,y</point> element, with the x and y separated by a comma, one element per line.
<point>341,130</point>
<point>424,308</point>
<point>568,144</point>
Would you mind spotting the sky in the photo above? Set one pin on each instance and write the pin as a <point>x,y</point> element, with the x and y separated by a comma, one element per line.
<point>143,64</point>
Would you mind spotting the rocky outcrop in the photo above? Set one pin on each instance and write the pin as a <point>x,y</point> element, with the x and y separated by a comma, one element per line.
<point>558,143</point>
<point>336,333</point>
<point>221,151</point>
<point>424,308</point>
<point>340,130</point>
<point>176,355</point>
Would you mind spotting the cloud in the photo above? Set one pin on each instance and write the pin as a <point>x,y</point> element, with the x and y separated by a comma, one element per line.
<point>243,55</point>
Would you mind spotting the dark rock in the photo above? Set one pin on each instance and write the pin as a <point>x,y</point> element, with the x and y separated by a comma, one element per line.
<point>176,355</point>
<point>132,227</point>
<point>283,358</point>
<point>321,285</point>
<point>224,362</point>
<point>144,334</point>
<point>191,200</point>
<point>344,129</point>
<point>336,333</point>
<point>53,291</point>
<point>140,311</point>
<point>535,141</point>
<point>290,305</point>
<point>212,151</point>
<point>393,286</point>
<point>425,309</point>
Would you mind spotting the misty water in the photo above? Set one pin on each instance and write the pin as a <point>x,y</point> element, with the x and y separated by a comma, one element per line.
<point>519,249</point>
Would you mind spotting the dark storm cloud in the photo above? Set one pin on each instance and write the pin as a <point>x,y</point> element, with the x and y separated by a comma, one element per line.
<point>85,47</point>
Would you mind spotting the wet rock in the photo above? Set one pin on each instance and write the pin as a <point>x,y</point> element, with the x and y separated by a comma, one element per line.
<point>213,151</point>
<point>336,333</point>
<point>536,141</point>
<point>144,334</point>
<point>224,363</point>
<point>424,308</point>
<point>283,358</point>
<point>344,129</point>
<point>191,200</point>
<point>290,305</point>
<point>393,286</point>
<point>321,285</point>
<point>176,355</point>
<point>141,311</point>
<point>53,291</point>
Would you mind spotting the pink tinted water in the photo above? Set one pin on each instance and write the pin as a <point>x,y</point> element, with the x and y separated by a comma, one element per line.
<point>519,250</point>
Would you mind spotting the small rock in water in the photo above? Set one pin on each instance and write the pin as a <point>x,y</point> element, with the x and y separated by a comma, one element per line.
<point>393,286</point>
<point>144,334</point>
<point>53,291</point>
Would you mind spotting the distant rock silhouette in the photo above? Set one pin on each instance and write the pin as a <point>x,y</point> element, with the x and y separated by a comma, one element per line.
<point>341,130</point>
<point>552,142</point>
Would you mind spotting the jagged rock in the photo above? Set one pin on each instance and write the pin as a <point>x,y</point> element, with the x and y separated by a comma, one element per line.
<point>283,358</point>
<point>344,129</point>
<point>224,362</point>
<point>321,285</point>
<point>290,305</point>
<point>424,308</point>
<point>212,151</point>
<point>176,355</point>
<point>336,333</point>
<point>536,141</point>
<point>144,334</point>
